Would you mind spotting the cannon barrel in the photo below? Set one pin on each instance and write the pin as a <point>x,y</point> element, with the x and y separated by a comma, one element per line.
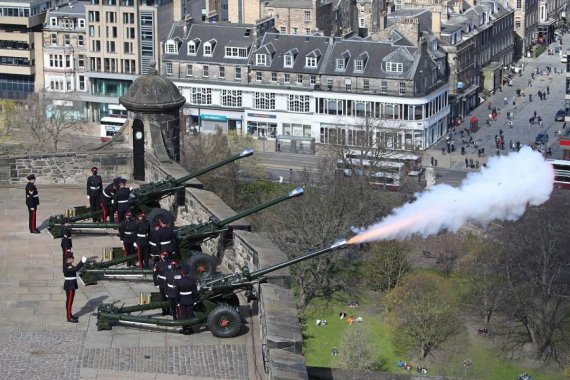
<point>193,234</point>
<point>172,184</point>
<point>340,244</point>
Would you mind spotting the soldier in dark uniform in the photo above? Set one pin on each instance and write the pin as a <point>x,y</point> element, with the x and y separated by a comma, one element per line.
<point>153,242</point>
<point>141,240</point>
<point>70,284</point>
<point>66,243</point>
<point>172,275</point>
<point>94,191</point>
<point>167,239</point>
<point>159,275</point>
<point>108,199</point>
<point>122,197</point>
<point>127,232</point>
<point>187,296</point>
<point>32,201</point>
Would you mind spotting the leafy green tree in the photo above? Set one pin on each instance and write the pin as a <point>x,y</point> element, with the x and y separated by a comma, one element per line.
<point>424,313</point>
<point>385,266</point>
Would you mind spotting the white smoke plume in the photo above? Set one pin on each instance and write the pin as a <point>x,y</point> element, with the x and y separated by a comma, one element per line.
<point>501,191</point>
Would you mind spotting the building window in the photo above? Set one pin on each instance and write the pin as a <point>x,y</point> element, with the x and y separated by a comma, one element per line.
<point>330,83</point>
<point>394,67</point>
<point>519,4</point>
<point>384,87</point>
<point>111,17</point>
<point>235,52</point>
<point>258,76</point>
<point>238,73</point>
<point>313,79</point>
<point>189,71</point>
<point>80,41</point>
<point>53,21</point>
<point>340,64</point>
<point>359,65</point>
<point>402,88</point>
<point>307,16</point>
<point>128,47</point>
<point>205,71</point>
<point>200,95</point>
<point>208,49</point>
<point>518,24</point>
<point>366,85</point>
<point>274,77</point>
<point>231,98</point>
<point>171,47</point>
<point>300,79</point>
<point>264,100</point>
<point>261,59</point>
<point>348,84</point>
<point>81,61</point>
<point>53,38</point>
<point>295,30</point>
<point>168,68</point>
<point>191,47</point>
<point>298,103</point>
<point>66,40</point>
<point>286,78</point>
<point>361,22</point>
<point>110,46</point>
<point>311,62</point>
<point>222,72</point>
<point>81,23</point>
<point>282,30</point>
<point>288,60</point>
<point>81,80</point>
<point>307,31</point>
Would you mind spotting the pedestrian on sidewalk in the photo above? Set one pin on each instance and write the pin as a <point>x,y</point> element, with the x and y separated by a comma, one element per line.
<point>530,97</point>
<point>547,90</point>
<point>506,100</point>
<point>540,97</point>
<point>466,162</point>
<point>530,81</point>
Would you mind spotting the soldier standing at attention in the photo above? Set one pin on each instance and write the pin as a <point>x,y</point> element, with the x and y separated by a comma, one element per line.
<point>187,296</point>
<point>141,240</point>
<point>122,197</point>
<point>172,275</point>
<point>32,201</point>
<point>94,191</point>
<point>167,238</point>
<point>153,241</point>
<point>159,274</point>
<point>127,231</point>
<point>66,243</point>
<point>70,284</point>
<point>107,200</point>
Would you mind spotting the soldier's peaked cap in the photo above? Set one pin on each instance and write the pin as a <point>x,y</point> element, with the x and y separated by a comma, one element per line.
<point>31,176</point>
<point>94,169</point>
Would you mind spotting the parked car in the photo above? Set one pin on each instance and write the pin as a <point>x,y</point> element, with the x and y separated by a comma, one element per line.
<point>542,138</point>
<point>560,114</point>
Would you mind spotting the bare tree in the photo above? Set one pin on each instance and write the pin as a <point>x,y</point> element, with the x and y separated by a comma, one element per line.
<point>424,312</point>
<point>332,204</point>
<point>535,267</point>
<point>47,120</point>
<point>357,351</point>
<point>7,108</point>
<point>385,266</point>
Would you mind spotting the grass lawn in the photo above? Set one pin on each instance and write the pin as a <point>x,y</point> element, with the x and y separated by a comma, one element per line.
<point>318,342</point>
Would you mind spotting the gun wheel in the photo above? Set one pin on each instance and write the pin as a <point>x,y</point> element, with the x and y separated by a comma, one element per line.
<point>159,213</point>
<point>224,321</point>
<point>201,265</point>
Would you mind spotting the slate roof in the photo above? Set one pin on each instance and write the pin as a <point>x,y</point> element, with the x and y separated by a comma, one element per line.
<point>301,4</point>
<point>76,9</point>
<point>378,54</point>
<point>299,46</point>
<point>224,35</point>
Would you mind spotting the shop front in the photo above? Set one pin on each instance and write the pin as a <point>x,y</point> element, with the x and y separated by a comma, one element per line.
<point>262,125</point>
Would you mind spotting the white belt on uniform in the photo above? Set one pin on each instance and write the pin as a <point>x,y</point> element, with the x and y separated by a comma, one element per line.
<point>105,194</point>
<point>128,233</point>
<point>165,242</point>
<point>94,188</point>
<point>125,201</point>
<point>152,243</point>
<point>185,293</point>
<point>35,196</point>
<point>70,278</point>
<point>141,235</point>
<point>171,286</point>
<point>161,277</point>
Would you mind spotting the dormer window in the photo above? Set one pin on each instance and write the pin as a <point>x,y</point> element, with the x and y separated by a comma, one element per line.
<point>340,64</point>
<point>311,62</point>
<point>209,47</point>
<point>261,59</point>
<point>288,60</point>
<point>394,67</point>
<point>193,47</point>
<point>171,47</point>
<point>342,61</point>
<point>82,23</point>
<point>358,65</point>
<point>53,21</point>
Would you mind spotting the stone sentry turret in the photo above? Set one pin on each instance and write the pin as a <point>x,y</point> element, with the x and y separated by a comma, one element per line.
<point>154,102</point>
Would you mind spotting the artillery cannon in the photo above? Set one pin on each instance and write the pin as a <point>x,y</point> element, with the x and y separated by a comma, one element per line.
<point>189,239</point>
<point>217,306</point>
<point>145,198</point>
